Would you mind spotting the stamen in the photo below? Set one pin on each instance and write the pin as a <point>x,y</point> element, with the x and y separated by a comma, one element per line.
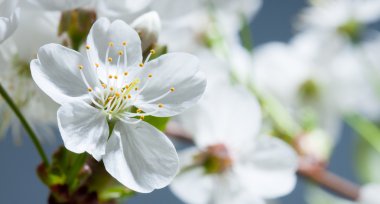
<point>152,52</point>
<point>160,105</point>
<point>160,97</point>
<point>87,47</point>
<point>141,65</point>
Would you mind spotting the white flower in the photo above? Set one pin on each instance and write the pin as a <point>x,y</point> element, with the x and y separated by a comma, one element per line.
<point>61,5</point>
<point>369,194</point>
<point>231,162</point>
<point>148,26</point>
<point>15,55</point>
<point>9,16</point>
<point>332,14</point>
<point>341,20</point>
<point>105,88</point>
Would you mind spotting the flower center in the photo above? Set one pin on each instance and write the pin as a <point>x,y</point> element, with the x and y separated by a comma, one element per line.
<point>119,92</point>
<point>215,159</point>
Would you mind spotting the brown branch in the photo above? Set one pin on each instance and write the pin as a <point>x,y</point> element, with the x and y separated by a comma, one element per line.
<point>308,168</point>
<point>320,175</point>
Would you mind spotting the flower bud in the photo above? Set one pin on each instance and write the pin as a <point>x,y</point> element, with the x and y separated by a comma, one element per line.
<point>148,26</point>
<point>316,144</point>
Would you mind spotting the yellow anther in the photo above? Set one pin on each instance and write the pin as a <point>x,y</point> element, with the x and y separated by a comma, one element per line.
<point>104,85</point>
<point>96,65</point>
<point>150,75</point>
<point>120,53</point>
<point>137,88</point>
<point>80,67</point>
<point>172,89</point>
<point>129,96</point>
<point>152,52</point>
<point>110,44</point>
<point>160,105</point>
<point>125,73</point>
<point>141,64</point>
<point>110,59</point>
<point>117,94</point>
<point>126,86</point>
<point>110,76</point>
<point>115,77</point>
<point>138,110</point>
<point>87,47</point>
<point>89,89</point>
<point>142,117</point>
<point>124,43</point>
<point>111,88</point>
<point>124,97</point>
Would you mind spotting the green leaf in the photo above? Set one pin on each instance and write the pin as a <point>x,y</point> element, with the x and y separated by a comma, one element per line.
<point>367,161</point>
<point>159,123</point>
<point>366,129</point>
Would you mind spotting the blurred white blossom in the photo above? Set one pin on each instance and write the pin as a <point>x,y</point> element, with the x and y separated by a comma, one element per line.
<point>9,17</point>
<point>232,162</point>
<point>15,55</point>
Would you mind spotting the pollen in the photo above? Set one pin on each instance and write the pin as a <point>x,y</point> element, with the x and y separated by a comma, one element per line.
<point>115,77</point>
<point>117,94</point>
<point>89,89</point>
<point>152,51</point>
<point>138,110</point>
<point>110,76</point>
<point>126,86</point>
<point>120,53</point>
<point>104,85</point>
<point>137,88</point>
<point>125,73</point>
<point>96,65</point>
<point>141,64</point>
<point>150,75</point>
<point>142,117</point>
<point>160,105</point>
<point>111,89</point>
<point>124,43</point>
<point>110,44</point>
<point>172,89</point>
<point>110,59</point>
<point>129,96</point>
<point>124,97</point>
<point>80,67</point>
<point>87,47</point>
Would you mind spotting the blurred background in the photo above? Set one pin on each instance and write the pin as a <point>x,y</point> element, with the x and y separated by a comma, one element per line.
<point>19,182</point>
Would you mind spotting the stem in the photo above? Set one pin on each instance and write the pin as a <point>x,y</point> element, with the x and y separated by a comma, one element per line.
<point>25,124</point>
<point>77,165</point>
<point>329,180</point>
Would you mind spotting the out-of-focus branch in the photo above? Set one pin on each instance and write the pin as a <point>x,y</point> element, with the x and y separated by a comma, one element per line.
<point>308,168</point>
<point>320,175</point>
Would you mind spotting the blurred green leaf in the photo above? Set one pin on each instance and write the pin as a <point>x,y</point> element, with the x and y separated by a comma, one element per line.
<point>366,129</point>
<point>367,161</point>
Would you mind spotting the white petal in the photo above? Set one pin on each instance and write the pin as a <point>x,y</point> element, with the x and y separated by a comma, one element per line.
<point>227,115</point>
<point>176,70</point>
<point>60,5</point>
<point>268,171</point>
<point>103,32</point>
<point>370,194</point>
<point>9,18</point>
<point>56,72</point>
<point>83,128</point>
<point>193,186</point>
<point>140,157</point>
